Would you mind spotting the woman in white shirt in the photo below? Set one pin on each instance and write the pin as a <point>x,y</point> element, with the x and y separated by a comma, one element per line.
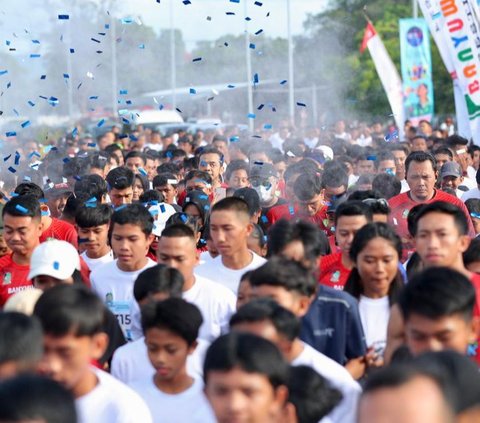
<point>375,281</point>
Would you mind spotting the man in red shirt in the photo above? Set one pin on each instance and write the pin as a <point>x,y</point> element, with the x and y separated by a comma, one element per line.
<point>350,217</point>
<point>421,175</point>
<point>52,227</point>
<point>22,229</point>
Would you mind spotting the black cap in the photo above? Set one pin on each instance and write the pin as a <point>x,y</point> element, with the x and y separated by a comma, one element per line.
<point>250,196</point>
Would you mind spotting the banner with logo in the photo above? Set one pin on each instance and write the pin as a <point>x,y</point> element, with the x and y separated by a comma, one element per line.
<point>416,63</point>
<point>456,31</point>
<point>387,72</point>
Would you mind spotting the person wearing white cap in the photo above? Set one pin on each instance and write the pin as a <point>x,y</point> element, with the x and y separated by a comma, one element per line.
<point>54,262</point>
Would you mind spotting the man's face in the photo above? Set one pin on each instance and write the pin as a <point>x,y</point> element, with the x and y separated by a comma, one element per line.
<point>400,158</point>
<point>21,233</point>
<point>421,179</point>
<point>134,163</point>
<point>442,159</point>
<point>347,227</point>
<point>238,179</point>
<point>387,166</point>
<point>445,333</point>
<point>259,157</point>
<point>419,144</point>
<point>119,197</point>
<point>221,146</point>
<point>365,167</point>
<point>211,164</point>
<point>179,253</point>
<point>199,185</point>
<point>333,193</point>
<point>280,167</point>
<point>452,182</point>
<point>290,300</point>
<point>151,168</point>
<point>476,159</point>
<point>130,245</point>
<point>229,231</point>
<point>57,204</point>
<point>67,358</point>
<point>169,193</point>
<point>425,128</point>
<point>312,206</point>
<point>438,241</point>
<point>94,239</point>
<point>418,401</point>
<point>167,353</point>
<point>238,396</point>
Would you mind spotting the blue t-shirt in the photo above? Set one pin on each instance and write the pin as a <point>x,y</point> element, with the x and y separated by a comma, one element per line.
<point>332,326</point>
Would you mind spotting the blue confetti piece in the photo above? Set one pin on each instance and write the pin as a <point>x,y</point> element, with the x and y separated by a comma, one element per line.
<point>141,46</point>
<point>301,104</point>
<point>11,169</point>
<point>261,107</point>
<point>43,77</point>
<point>53,101</point>
<point>35,56</point>
<point>235,138</point>
<point>372,158</point>
<point>264,219</point>
<point>258,3</point>
<point>259,32</point>
<point>178,110</point>
<point>267,126</point>
<point>291,210</point>
<point>100,123</point>
<point>252,46</point>
<point>251,116</point>
<point>63,17</point>
<point>56,265</point>
<point>34,153</point>
<point>184,218</point>
<point>7,157</point>
<point>476,215</point>
<point>66,76</point>
<point>255,78</point>
<point>162,208</point>
<point>391,136</point>
<point>230,86</point>
<point>193,91</point>
<point>66,160</point>
<point>25,124</point>
<point>17,158</point>
<point>230,13</point>
<point>123,92</point>
<point>3,72</point>
<point>142,171</point>
<point>72,50</point>
<point>92,144</point>
<point>197,59</point>
<point>74,132</point>
<point>248,19</point>
<point>95,40</point>
<point>234,1</point>
<point>153,212</point>
<point>10,134</point>
<point>9,84</point>
<point>126,21</point>
<point>283,82</point>
<point>31,103</point>
<point>16,112</point>
<point>35,42</point>
<point>21,209</point>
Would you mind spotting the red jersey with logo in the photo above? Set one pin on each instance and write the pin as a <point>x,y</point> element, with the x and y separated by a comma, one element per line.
<point>332,271</point>
<point>13,278</point>
<point>62,231</point>
<point>473,349</point>
<point>400,206</point>
<point>287,211</point>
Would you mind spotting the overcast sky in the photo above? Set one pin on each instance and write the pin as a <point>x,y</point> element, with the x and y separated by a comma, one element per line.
<point>191,19</point>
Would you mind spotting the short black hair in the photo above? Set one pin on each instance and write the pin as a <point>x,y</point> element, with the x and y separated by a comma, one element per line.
<point>29,188</point>
<point>151,195</point>
<point>443,149</point>
<point>98,160</point>
<point>287,274</point>
<point>235,204</point>
<point>163,179</point>
<point>133,154</point>
<point>158,279</point>
<point>236,165</point>
<point>248,353</point>
<point>445,208</point>
<point>438,292</point>
<point>22,338</point>
<point>66,309</point>
<point>91,186</point>
<point>89,216</point>
<point>334,176</point>
<point>23,206</point>
<point>420,156</point>
<point>266,309</point>
<point>311,394</point>
<point>36,398</point>
<point>456,139</point>
<point>120,178</point>
<point>283,232</point>
<point>382,156</point>
<point>388,185</point>
<point>307,186</point>
<point>353,208</point>
<point>472,254</point>
<point>133,214</point>
<point>210,150</point>
<point>178,230</point>
<point>175,315</point>
<point>199,174</point>
<point>473,207</point>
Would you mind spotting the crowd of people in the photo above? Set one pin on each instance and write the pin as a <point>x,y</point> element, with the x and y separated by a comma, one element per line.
<point>325,275</point>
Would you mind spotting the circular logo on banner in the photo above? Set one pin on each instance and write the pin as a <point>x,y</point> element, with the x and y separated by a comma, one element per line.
<point>415,36</point>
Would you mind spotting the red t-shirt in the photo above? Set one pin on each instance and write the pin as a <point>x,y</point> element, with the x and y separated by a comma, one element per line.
<point>474,349</point>
<point>332,271</point>
<point>61,230</point>
<point>287,211</point>
<point>13,278</point>
<point>400,206</point>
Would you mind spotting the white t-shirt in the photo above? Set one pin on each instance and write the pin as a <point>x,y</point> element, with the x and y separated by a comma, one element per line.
<point>374,314</point>
<point>94,263</point>
<point>405,186</point>
<point>217,272</point>
<point>115,289</point>
<point>340,379</point>
<point>130,362</point>
<point>472,193</point>
<point>189,406</point>
<point>216,303</point>
<point>111,402</point>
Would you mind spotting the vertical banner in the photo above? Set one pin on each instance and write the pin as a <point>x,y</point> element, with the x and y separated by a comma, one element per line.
<point>387,72</point>
<point>457,29</point>
<point>416,63</point>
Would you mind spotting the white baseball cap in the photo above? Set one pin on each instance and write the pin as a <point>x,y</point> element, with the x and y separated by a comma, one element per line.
<point>161,213</point>
<point>54,258</point>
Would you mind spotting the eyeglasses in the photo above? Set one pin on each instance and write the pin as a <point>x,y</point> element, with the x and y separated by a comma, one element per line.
<point>257,182</point>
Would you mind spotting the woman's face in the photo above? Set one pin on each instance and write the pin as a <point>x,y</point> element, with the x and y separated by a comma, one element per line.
<point>192,210</point>
<point>45,282</point>
<point>377,265</point>
<point>137,189</point>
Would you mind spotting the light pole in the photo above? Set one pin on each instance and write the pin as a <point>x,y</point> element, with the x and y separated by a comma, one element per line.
<point>291,75</point>
<point>248,60</point>
<point>173,64</point>
<point>113,41</point>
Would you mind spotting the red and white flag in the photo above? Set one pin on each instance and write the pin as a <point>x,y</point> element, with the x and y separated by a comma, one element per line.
<point>387,72</point>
